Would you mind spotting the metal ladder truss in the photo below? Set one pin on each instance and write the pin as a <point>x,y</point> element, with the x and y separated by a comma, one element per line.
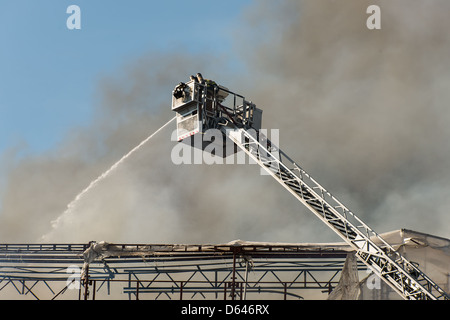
<point>403,276</point>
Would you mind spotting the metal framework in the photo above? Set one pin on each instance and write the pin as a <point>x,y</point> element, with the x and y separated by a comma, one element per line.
<point>402,275</point>
<point>119,271</point>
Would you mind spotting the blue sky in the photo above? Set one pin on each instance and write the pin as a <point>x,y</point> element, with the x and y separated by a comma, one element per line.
<point>48,73</point>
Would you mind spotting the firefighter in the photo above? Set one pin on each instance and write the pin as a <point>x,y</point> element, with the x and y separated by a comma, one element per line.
<point>207,82</point>
<point>210,83</point>
<point>200,78</point>
<point>179,90</point>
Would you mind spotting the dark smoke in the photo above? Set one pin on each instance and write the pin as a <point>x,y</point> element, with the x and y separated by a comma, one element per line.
<point>364,112</point>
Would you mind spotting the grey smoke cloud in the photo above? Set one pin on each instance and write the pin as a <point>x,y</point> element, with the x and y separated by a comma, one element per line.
<point>364,112</point>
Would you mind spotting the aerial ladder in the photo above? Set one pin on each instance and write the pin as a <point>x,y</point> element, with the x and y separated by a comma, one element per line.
<point>202,105</point>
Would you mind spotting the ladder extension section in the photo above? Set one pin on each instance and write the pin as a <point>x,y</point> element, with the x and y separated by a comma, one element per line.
<point>403,276</point>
